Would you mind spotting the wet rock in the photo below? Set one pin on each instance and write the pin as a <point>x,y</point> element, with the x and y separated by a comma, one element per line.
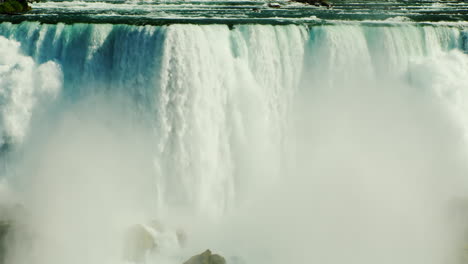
<point>152,237</point>
<point>274,5</point>
<point>316,3</point>
<point>206,258</point>
<point>138,241</point>
<point>4,228</point>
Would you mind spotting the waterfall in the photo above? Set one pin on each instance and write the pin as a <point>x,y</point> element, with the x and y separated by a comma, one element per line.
<point>326,143</point>
<point>22,85</point>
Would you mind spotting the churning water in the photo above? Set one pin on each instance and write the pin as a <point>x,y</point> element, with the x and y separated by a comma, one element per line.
<point>289,142</point>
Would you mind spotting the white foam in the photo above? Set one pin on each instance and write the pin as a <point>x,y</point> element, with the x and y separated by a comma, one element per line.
<point>302,141</point>
<point>22,84</point>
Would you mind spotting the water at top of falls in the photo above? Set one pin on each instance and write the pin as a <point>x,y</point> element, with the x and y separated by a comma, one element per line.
<point>341,137</point>
<point>242,12</point>
<point>266,143</point>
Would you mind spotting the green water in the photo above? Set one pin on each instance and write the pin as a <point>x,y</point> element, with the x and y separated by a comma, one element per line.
<point>241,12</point>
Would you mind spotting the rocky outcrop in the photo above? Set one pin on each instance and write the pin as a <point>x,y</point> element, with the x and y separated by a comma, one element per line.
<point>206,258</point>
<point>315,2</point>
<point>10,218</point>
<point>138,241</point>
<point>274,5</point>
<point>4,228</point>
<point>152,237</point>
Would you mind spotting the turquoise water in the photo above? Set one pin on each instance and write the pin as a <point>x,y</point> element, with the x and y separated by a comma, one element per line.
<point>292,135</point>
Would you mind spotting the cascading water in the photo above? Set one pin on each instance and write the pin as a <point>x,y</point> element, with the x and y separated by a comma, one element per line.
<point>270,144</point>
<point>22,85</point>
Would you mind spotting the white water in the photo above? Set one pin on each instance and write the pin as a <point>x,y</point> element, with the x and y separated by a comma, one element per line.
<point>22,86</point>
<point>282,144</point>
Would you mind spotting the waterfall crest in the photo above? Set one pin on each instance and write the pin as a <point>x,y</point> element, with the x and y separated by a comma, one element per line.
<point>302,141</point>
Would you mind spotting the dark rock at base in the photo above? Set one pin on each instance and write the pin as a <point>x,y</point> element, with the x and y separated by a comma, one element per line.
<point>206,258</point>
<point>4,228</point>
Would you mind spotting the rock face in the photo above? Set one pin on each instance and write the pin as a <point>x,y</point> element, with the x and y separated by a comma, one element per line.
<point>206,258</point>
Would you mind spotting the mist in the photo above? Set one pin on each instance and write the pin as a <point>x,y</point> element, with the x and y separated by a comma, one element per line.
<point>339,149</point>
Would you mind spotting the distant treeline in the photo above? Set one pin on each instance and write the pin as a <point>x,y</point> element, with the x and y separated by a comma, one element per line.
<point>14,6</point>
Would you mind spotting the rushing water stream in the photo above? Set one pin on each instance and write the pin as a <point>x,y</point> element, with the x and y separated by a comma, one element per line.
<point>291,135</point>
